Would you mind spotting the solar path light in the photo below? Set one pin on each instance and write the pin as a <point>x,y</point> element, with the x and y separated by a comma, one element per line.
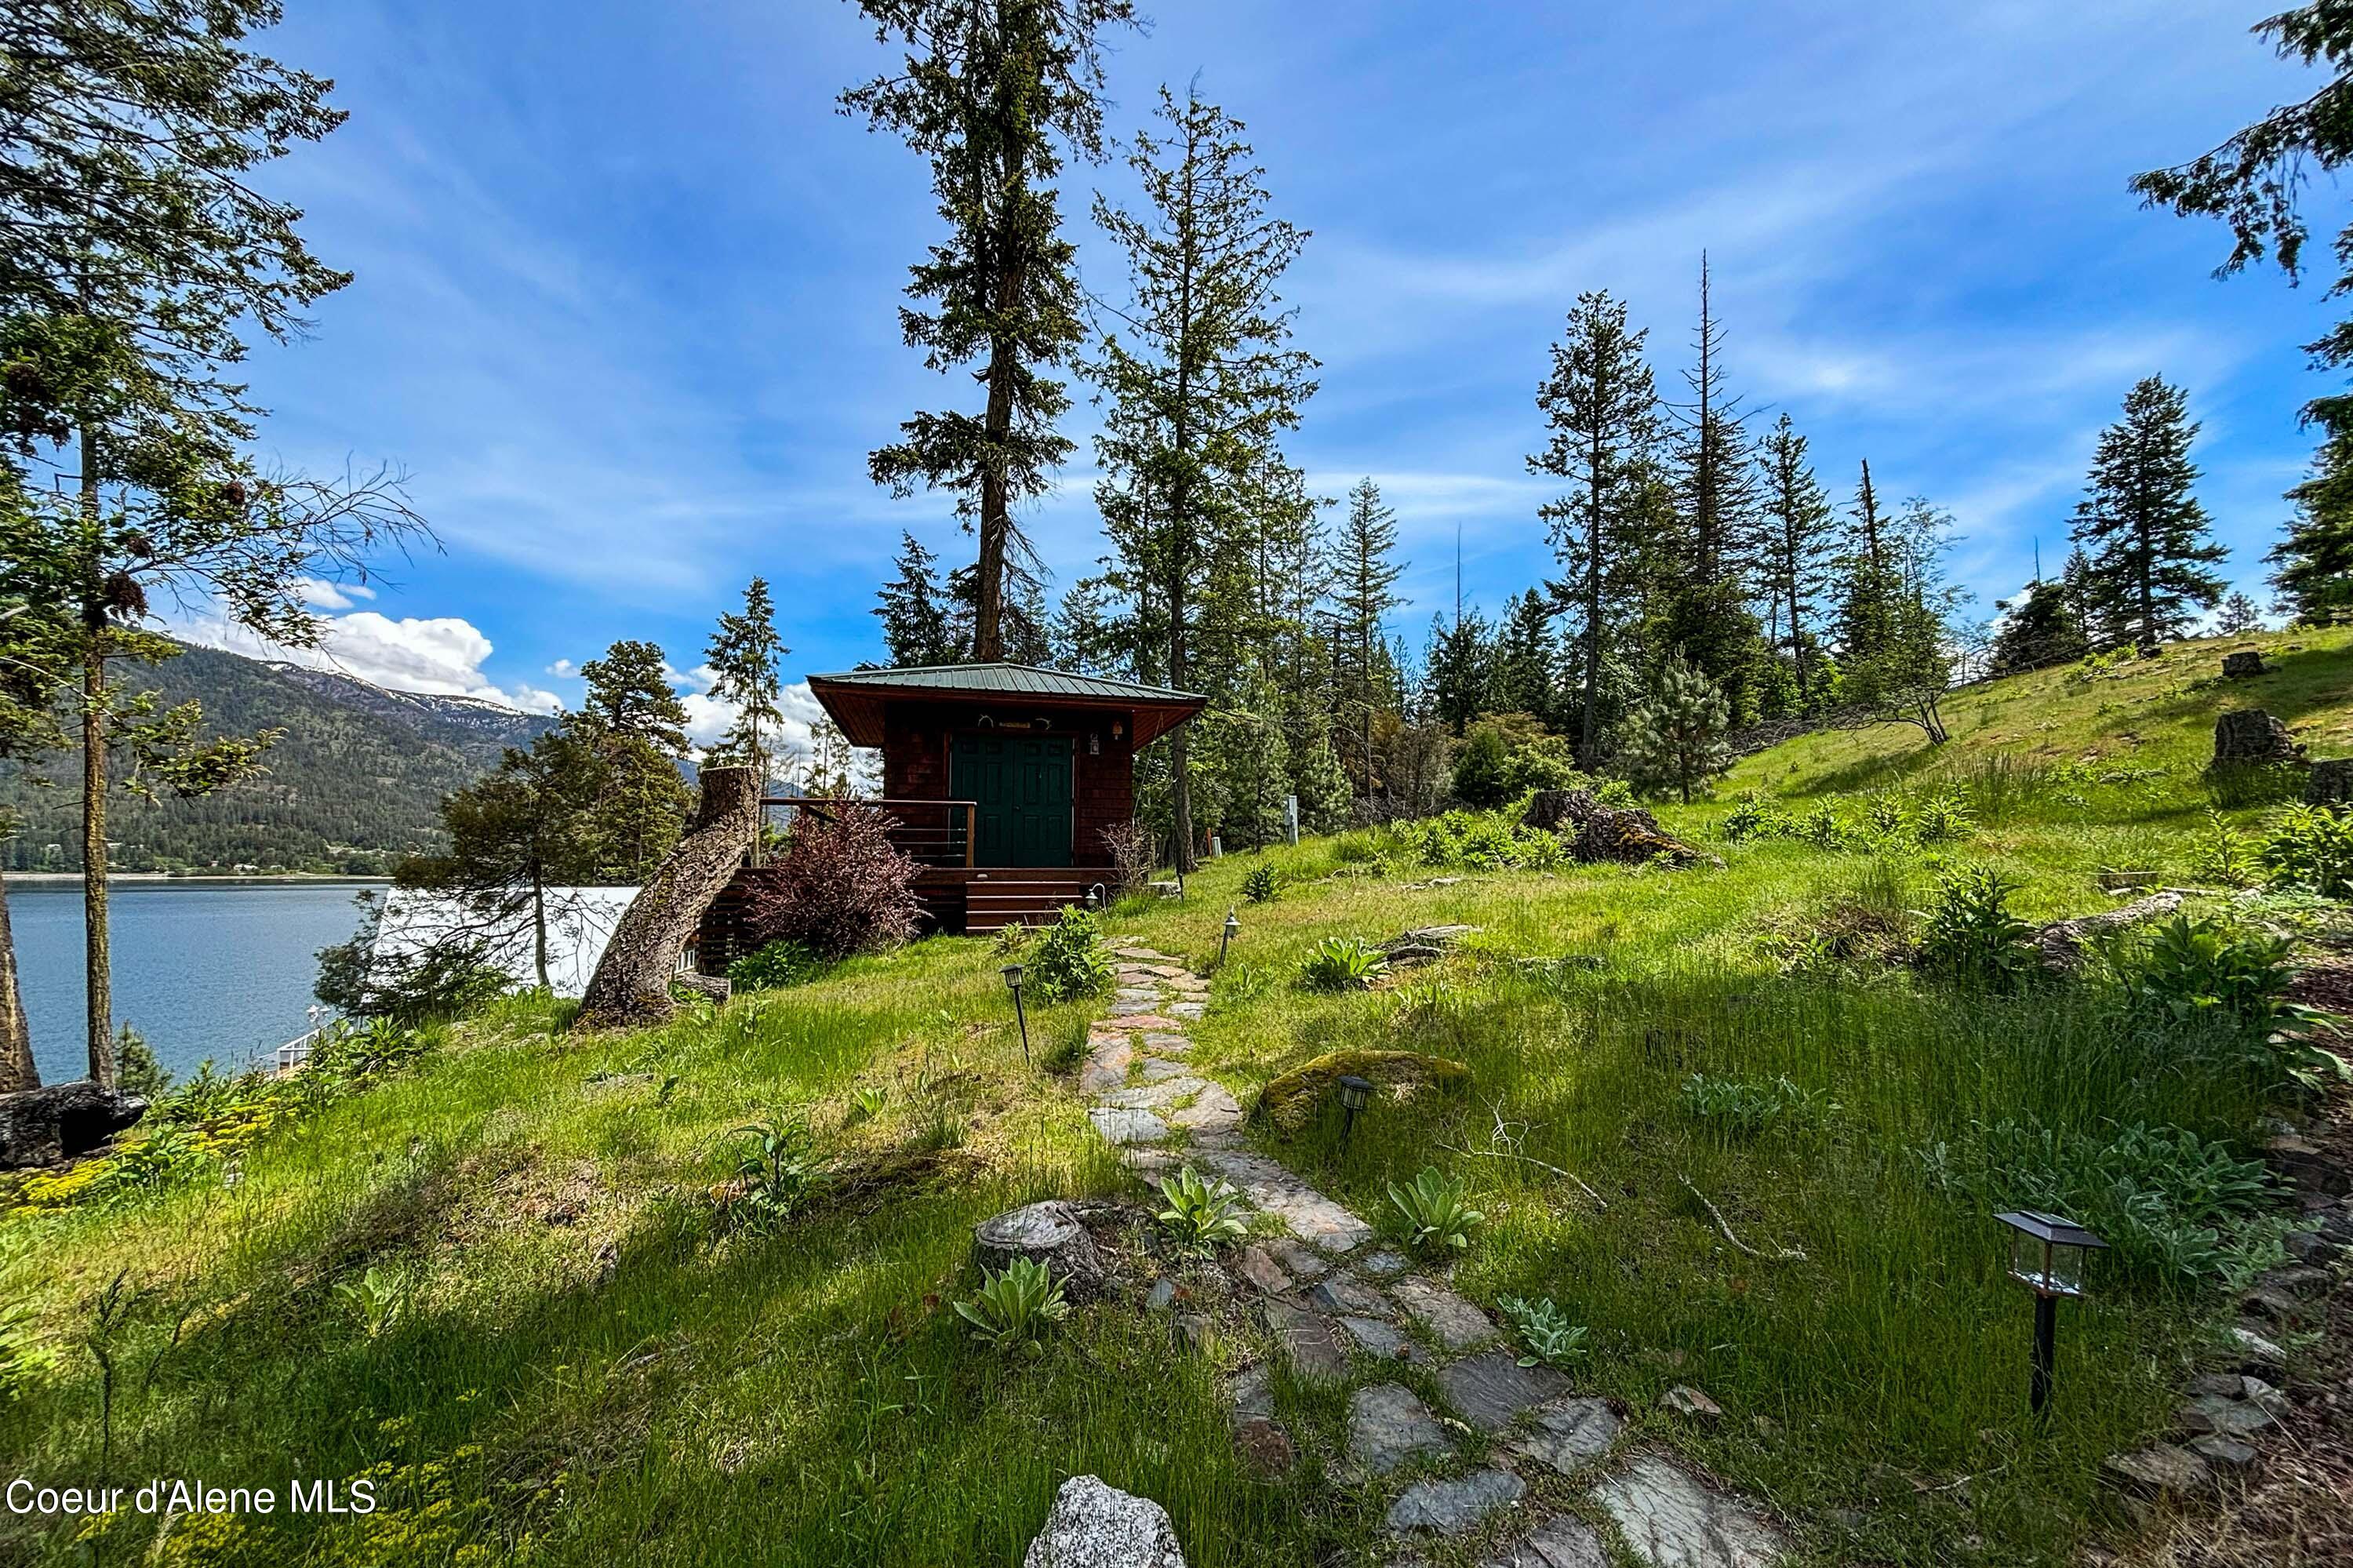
<point>1225,934</point>
<point>2047,1257</point>
<point>1012,973</point>
<point>1355,1093</point>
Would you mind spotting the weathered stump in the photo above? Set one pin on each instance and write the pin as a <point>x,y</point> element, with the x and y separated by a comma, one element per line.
<point>631,986</point>
<point>2245,664</point>
<point>60,1122</point>
<point>1048,1232</point>
<point>1624,833</point>
<point>1425,944</point>
<point>2060,945</point>
<point>2250,735</point>
<point>2331,782</point>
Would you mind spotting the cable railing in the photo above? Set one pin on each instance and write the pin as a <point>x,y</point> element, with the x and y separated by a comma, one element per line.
<point>929,832</point>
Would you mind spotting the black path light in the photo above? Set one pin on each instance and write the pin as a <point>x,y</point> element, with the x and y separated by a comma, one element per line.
<point>2047,1257</point>
<point>1225,934</point>
<point>1012,973</point>
<point>1355,1093</point>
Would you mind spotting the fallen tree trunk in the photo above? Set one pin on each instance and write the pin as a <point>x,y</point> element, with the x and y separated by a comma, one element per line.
<point>1595,832</point>
<point>630,989</point>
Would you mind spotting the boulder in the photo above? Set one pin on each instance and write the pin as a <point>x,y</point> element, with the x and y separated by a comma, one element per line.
<point>1425,945</point>
<point>2061,944</point>
<point>1093,1525</point>
<point>1608,833</point>
<point>61,1121</point>
<point>2250,735</point>
<point>1048,1232</point>
<point>2330,783</point>
<point>1291,1099</point>
<point>2245,664</point>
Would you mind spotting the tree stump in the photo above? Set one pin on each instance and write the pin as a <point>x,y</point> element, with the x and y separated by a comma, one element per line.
<point>64,1121</point>
<point>1608,833</point>
<point>1048,1232</point>
<point>630,989</point>
<point>2245,664</point>
<point>2331,782</point>
<point>2250,735</point>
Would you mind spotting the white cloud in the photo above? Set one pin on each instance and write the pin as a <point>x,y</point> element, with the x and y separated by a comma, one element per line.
<point>563,669</point>
<point>320,594</point>
<point>439,655</point>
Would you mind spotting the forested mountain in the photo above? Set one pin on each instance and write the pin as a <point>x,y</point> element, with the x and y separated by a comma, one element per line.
<point>352,783</point>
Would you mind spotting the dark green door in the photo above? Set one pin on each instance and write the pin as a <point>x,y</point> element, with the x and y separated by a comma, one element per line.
<point>1022,783</point>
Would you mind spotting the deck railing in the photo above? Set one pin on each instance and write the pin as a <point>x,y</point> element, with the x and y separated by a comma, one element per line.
<point>930,833</point>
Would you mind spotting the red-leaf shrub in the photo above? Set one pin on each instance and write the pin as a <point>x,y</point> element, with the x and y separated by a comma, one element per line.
<point>839,888</point>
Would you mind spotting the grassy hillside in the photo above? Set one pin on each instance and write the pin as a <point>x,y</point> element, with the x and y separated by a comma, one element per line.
<point>589,1365</point>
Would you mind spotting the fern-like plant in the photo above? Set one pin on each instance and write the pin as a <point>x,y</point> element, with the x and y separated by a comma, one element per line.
<point>1015,1307</point>
<point>1437,1211</point>
<point>1343,963</point>
<point>1260,887</point>
<point>1201,1215</point>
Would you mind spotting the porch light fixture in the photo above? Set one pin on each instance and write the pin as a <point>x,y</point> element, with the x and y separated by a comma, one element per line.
<point>1225,934</point>
<point>1355,1093</point>
<point>2047,1257</point>
<point>1012,973</point>
<point>1095,896</point>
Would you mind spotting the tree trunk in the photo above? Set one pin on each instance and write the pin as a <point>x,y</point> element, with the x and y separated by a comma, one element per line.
<point>631,986</point>
<point>17,1069</point>
<point>97,972</point>
<point>539,927</point>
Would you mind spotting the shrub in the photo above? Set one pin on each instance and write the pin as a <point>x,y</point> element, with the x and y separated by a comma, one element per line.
<point>840,888</point>
<point>1547,1336</point>
<point>1260,886</point>
<point>2222,853</point>
<point>1342,963</point>
<point>2188,970</point>
<point>1746,1110</point>
<point>136,1070</point>
<point>776,1168</point>
<point>1943,817</point>
<point>1133,856</point>
<point>2312,846</point>
<point>1201,1215</point>
<point>774,966</point>
<point>1015,1308</point>
<point>1068,961</point>
<point>1968,933</point>
<point>1480,767</point>
<point>1755,816</point>
<point>449,977</point>
<point>1437,1211</point>
<point>1822,827</point>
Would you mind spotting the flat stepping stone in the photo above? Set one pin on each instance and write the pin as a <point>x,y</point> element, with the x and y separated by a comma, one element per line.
<point>1347,1293</point>
<point>1159,1070</point>
<point>1213,1110</point>
<point>1305,1339</point>
<point>1455,1508</point>
<point>1121,1125</point>
<point>1107,1069</point>
<point>1305,1212</point>
<point>1566,1541</point>
<point>1383,1264</point>
<point>1140,1022</point>
<point>1669,1517</point>
<point>1389,1427</point>
<point>1457,1324</point>
<point>1302,1262</point>
<point>1160,1040</point>
<point>1154,1096</point>
<point>1250,1394</point>
<point>1188,1009</point>
<point>1382,1341</point>
<point>1491,1390</point>
<point>1571,1435</point>
<point>1258,1269</point>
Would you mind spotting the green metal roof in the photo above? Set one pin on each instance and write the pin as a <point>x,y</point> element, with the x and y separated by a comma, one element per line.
<point>1011,679</point>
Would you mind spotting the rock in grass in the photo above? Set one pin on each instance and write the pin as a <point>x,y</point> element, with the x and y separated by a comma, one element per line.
<point>2330,783</point>
<point>1046,1232</point>
<point>1093,1525</point>
<point>2159,1470</point>
<point>1566,1541</point>
<point>1570,1435</point>
<point>1292,1100</point>
<point>1491,1390</point>
<point>1685,1400</point>
<point>61,1121</point>
<point>1455,1508</point>
<point>1389,1427</point>
<point>1671,1519</point>
<point>2244,665</point>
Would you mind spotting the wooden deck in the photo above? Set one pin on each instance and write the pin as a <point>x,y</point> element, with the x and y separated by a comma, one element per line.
<point>981,899</point>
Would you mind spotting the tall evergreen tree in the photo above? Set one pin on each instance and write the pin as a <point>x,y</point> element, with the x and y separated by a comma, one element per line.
<point>1719,487</point>
<point>2038,629</point>
<point>1600,410</point>
<point>995,93</point>
<point>629,693</point>
<point>1797,544</point>
<point>746,660</point>
<point>1527,660</point>
<point>2141,523</point>
<point>2238,615</point>
<point>1459,670</point>
<point>914,610</point>
<point>2314,565</point>
<point>633,721</point>
<point>1364,584</point>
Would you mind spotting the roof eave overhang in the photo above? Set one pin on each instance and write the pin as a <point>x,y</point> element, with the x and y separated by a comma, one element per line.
<point>858,706</point>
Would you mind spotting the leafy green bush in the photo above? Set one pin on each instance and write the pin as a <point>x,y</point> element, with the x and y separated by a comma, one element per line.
<point>1968,935</point>
<point>376,1299</point>
<point>1017,1307</point>
<point>1201,1215</point>
<point>1547,1336</point>
<point>2188,970</point>
<point>1942,817</point>
<point>1260,886</point>
<point>1069,960</point>
<point>2222,853</point>
<point>1480,775</point>
<point>1746,1110</point>
<point>2312,846</point>
<point>776,1168</point>
<point>1437,1211</point>
<point>1342,963</point>
<point>774,966</point>
<point>1755,816</point>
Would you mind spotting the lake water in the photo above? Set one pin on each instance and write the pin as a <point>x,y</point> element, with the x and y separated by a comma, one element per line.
<point>212,968</point>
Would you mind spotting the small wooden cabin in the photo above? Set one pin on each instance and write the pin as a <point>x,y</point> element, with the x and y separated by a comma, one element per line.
<point>1001,779</point>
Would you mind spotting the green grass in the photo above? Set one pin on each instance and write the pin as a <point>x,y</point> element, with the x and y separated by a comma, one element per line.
<point>589,1369</point>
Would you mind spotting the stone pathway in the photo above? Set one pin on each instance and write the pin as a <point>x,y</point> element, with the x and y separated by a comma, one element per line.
<point>1331,1304</point>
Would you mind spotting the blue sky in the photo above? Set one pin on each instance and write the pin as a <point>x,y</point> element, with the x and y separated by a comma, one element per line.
<point>627,282</point>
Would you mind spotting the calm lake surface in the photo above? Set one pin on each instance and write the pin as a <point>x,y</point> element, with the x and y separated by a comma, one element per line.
<point>212,968</point>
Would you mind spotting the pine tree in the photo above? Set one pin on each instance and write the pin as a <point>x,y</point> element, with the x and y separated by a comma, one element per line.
<point>1675,739</point>
<point>633,719</point>
<point>1321,784</point>
<point>1459,670</point>
<point>2314,564</point>
<point>746,661</point>
<point>914,610</point>
<point>1527,660</point>
<point>1719,490</point>
<point>2140,522</point>
<point>2239,615</point>
<point>1198,373</point>
<point>1794,559</point>
<point>2039,628</point>
<point>629,693</point>
<point>1364,581</point>
<point>1601,410</point>
<point>1895,619</point>
<point>994,92</point>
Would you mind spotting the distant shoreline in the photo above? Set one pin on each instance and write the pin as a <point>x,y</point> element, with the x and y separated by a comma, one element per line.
<point>184,878</point>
